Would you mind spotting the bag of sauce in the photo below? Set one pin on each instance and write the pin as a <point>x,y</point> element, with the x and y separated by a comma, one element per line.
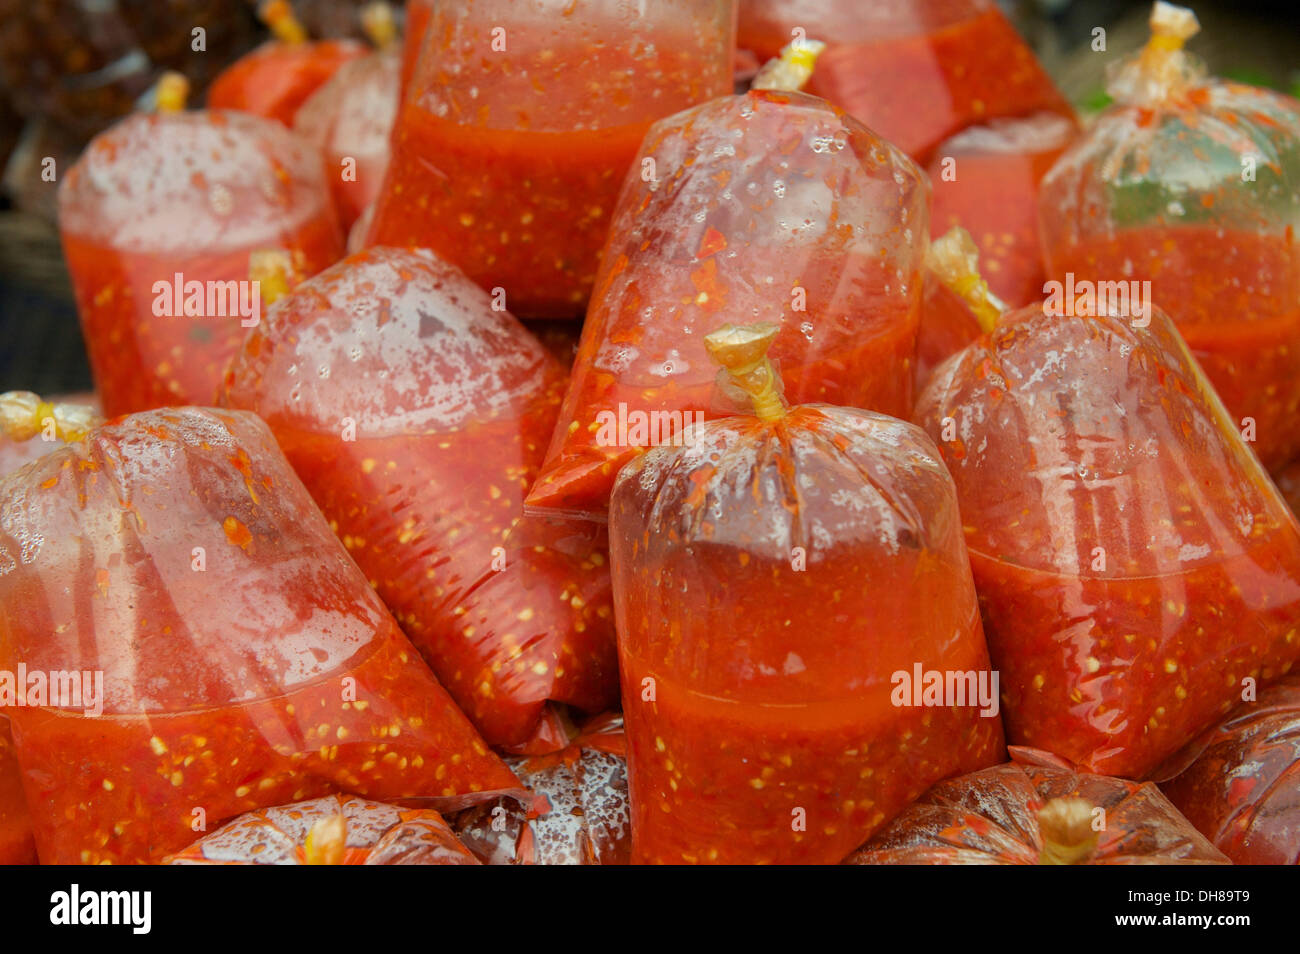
<point>350,118</point>
<point>914,71</point>
<point>29,428</point>
<point>1193,185</point>
<point>985,179</point>
<point>520,123</point>
<point>275,79</point>
<point>1039,810</point>
<point>579,812</point>
<point>799,638</point>
<point>197,644</point>
<point>771,205</point>
<point>158,220</point>
<point>334,830</point>
<point>417,414</point>
<point>1134,562</point>
<point>1239,783</point>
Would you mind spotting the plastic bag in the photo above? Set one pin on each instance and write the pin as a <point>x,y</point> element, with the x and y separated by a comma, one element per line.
<point>275,79</point>
<point>985,179</point>
<point>214,648</point>
<point>520,123</point>
<point>417,415</point>
<point>1193,184</point>
<point>579,813</point>
<point>1038,810</point>
<point>914,71</point>
<point>1134,562</point>
<point>29,428</point>
<point>158,219</point>
<point>350,119</point>
<point>1239,783</point>
<point>773,206</point>
<point>787,590</point>
<point>337,829</point>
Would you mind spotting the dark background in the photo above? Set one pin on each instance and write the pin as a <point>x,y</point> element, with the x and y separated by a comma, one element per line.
<point>44,113</point>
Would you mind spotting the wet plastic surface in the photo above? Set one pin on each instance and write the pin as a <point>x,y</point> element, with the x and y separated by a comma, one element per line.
<point>764,207</point>
<point>1133,559</point>
<point>376,834</point>
<point>243,659</point>
<point>991,817</point>
<point>579,814</point>
<point>451,402</point>
<point>1239,783</point>
<point>761,675</point>
<point>192,195</point>
<point>1193,184</point>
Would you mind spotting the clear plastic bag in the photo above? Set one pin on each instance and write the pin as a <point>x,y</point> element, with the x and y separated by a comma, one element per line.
<point>29,428</point>
<point>1193,184</point>
<point>520,122</point>
<point>158,220</point>
<point>1239,783</point>
<point>215,649</point>
<point>985,179</point>
<point>579,813</point>
<point>1039,810</point>
<point>274,80</point>
<point>773,206</point>
<point>914,71</point>
<point>337,829</point>
<point>417,414</point>
<point>787,589</point>
<point>350,119</point>
<point>1133,559</point>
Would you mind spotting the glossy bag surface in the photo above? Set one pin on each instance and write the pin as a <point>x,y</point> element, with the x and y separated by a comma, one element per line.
<point>1134,561</point>
<point>221,653</point>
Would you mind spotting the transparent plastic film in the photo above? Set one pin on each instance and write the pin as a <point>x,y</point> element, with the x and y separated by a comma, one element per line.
<point>417,414</point>
<point>1189,187</point>
<point>1134,562</point>
<point>755,573</point>
<point>915,72</point>
<point>220,652</point>
<point>579,811</point>
<point>985,179</point>
<point>771,206</point>
<point>350,120</point>
<point>274,80</point>
<point>158,220</point>
<point>519,123</point>
<point>1239,782</point>
<point>334,830</point>
<point>1038,809</point>
<point>30,427</point>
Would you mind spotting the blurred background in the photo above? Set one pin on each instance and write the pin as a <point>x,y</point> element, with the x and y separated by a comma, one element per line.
<point>68,68</point>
